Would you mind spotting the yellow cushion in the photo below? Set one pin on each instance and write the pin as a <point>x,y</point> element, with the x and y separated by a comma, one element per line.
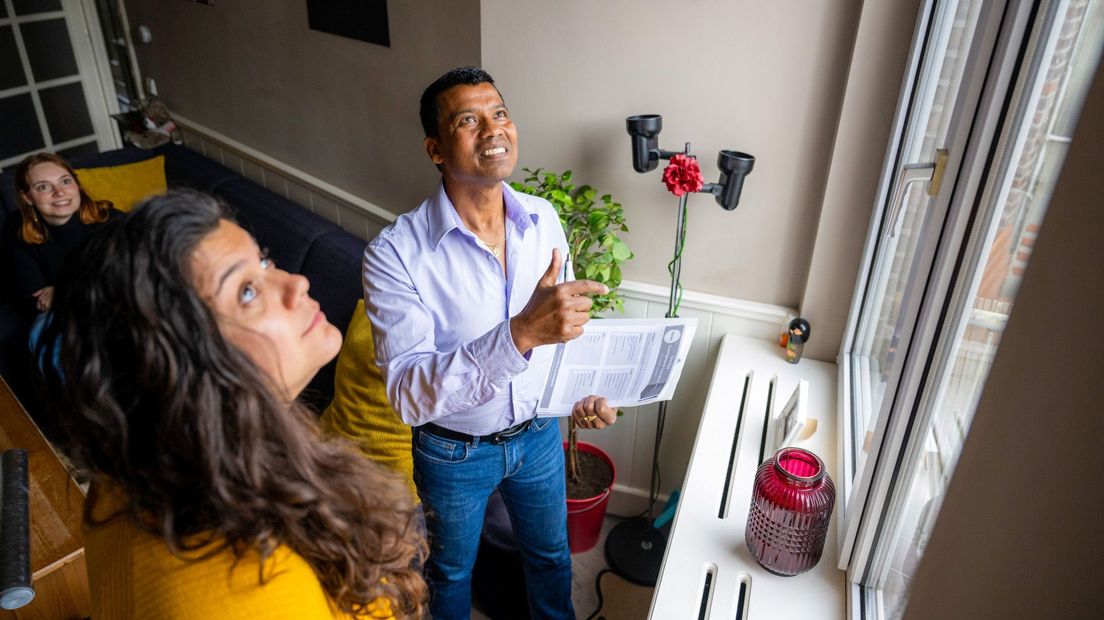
<point>125,185</point>
<point>360,411</point>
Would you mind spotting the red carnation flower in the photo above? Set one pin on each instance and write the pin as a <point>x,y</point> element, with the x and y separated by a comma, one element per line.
<point>682,175</point>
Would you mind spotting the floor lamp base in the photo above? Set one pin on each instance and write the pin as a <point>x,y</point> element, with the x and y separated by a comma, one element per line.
<point>634,550</point>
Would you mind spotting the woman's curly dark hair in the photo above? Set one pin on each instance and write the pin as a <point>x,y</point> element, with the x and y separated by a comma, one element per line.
<point>149,396</point>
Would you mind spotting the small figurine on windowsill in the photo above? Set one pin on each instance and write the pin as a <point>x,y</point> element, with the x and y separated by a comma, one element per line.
<point>795,344</point>
<point>784,329</point>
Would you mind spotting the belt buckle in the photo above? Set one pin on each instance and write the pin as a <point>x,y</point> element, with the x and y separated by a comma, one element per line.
<point>500,437</point>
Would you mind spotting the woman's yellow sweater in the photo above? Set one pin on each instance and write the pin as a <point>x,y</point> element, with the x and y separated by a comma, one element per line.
<point>132,575</point>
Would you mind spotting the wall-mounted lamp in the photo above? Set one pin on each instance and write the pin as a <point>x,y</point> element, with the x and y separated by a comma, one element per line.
<point>735,165</point>
<point>644,129</point>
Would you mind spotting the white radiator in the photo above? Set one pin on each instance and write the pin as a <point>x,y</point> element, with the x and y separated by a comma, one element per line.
<point>708,571</point>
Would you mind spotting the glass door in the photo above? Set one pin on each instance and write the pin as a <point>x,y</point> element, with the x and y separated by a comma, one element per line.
<point>120,54</point>
<point>51,91</point>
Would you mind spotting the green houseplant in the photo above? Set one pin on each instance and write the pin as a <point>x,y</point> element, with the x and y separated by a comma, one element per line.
<point>592,224</point>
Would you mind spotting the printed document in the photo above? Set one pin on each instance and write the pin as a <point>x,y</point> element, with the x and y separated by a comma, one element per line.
<point>628,361</point>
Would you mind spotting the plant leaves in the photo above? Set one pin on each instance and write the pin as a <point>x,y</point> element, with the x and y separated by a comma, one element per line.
<point>591,228</point>
<point>598,222</point>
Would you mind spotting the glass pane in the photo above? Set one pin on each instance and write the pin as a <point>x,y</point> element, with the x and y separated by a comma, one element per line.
<point>48,49</point>
<point>11,67</point>
<point>73,152</point>
<point>894,286</point>
<point>114,40</point>
<point>3,10</point>
<point>19,133</point>
<point>1080,72</point>
<point>924,500</point>
<point>1027,185</point>
<point>66,112</point>
<point>28,7</point>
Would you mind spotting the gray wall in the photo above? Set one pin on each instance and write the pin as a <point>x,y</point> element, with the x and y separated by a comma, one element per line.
<point>873,87</point>
<point>762,77</point>
<point>342,110</point>
<point>1019,534</point>
<point>766,78</point>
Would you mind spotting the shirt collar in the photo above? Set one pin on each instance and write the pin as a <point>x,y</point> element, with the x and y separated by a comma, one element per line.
<point>443,216</point>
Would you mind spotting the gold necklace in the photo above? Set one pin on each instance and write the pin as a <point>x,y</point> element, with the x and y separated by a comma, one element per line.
<point>495,248</point>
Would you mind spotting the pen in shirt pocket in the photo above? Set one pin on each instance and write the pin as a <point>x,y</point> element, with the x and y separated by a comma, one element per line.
<point>566,267</point>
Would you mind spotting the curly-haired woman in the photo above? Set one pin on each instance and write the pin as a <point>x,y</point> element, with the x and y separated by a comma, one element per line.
<point>179,349</point>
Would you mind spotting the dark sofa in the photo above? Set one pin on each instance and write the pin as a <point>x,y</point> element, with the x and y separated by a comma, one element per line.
<point>297,240</point>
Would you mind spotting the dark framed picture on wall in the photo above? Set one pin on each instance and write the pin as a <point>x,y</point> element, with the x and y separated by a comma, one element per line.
<point>365,20</point>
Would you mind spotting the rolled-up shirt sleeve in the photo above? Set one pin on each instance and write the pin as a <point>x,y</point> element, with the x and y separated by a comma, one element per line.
<point>424,383</point>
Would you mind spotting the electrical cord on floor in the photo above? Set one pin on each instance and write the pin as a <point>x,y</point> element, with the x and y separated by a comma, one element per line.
<point>598,590</point>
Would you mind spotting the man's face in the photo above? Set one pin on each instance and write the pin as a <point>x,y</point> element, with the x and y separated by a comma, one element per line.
<point>478,141</point>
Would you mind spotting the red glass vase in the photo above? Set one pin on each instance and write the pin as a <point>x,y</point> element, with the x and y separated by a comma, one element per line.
<point>790,508</point>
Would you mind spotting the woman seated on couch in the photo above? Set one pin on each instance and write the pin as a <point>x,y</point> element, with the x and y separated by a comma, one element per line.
<point>180,349</point>
<point>55,214</point>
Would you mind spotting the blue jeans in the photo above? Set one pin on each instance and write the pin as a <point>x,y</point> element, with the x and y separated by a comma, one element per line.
<point>454,480</point>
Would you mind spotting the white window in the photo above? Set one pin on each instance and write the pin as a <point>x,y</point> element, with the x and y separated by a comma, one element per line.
<point>990,99</point>
<point>52,81</point>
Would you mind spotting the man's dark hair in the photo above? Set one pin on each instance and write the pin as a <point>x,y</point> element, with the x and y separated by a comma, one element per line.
<point>462,76</point>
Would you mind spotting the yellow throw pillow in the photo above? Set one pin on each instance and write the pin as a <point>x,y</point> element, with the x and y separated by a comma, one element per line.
<point>125,185</point>
<point>360,411</point>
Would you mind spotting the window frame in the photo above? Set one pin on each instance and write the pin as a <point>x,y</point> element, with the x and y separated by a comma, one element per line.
<point>873,499</point>
<point>93,75</point>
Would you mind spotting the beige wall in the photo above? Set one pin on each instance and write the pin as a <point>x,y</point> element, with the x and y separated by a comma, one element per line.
<point>342,110</point>
<point>873,87</point>
<point>766,78</point>
<point>1019,534</point>
<point>762,77</point>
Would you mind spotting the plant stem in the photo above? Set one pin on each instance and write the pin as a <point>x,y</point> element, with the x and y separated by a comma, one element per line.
<point>572,451</point>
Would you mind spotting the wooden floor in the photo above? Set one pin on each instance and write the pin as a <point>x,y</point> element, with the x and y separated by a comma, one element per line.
<point>585,568</point>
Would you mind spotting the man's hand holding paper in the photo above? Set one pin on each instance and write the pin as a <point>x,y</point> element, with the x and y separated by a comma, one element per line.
<point>594,412</point>
<point>556,312</point>
<point>630,362</point>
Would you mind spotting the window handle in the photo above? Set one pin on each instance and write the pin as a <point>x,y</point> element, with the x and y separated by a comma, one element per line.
<point>930,172</point>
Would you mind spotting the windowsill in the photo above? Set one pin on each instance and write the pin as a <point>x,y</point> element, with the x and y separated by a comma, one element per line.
<point>703,542</point>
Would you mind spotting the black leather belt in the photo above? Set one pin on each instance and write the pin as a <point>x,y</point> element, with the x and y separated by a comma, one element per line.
<point>495,438</point>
